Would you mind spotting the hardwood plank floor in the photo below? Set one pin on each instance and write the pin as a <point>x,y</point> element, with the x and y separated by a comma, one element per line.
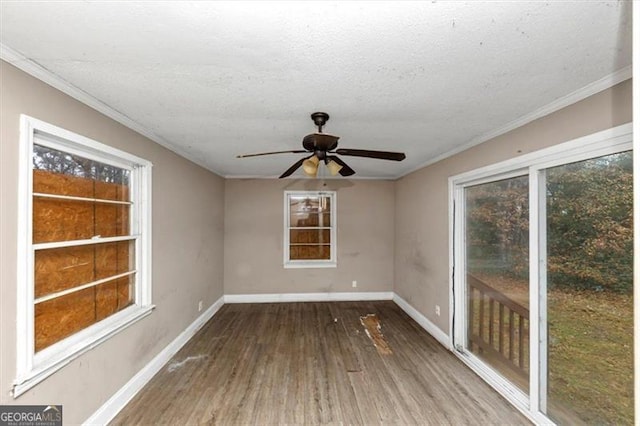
<point>313,363</point>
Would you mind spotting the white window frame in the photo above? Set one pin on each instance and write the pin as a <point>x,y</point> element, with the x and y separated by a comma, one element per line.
<point>32,368</point>
<point>606,142</point>
<point>329,263</point>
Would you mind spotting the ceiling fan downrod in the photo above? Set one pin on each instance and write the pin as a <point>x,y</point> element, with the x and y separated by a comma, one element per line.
<point>320,119</point>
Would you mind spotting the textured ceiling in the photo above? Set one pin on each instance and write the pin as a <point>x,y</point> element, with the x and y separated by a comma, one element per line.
<point>217,79</point>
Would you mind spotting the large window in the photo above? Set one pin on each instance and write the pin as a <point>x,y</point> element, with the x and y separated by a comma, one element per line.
<point>310,229</point>
<point>543,278</point>
<point>85,251</point>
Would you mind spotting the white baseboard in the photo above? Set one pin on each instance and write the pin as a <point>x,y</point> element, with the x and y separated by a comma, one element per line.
<point>307,297</point>
<point>109,409</point>
<point>430,327</point>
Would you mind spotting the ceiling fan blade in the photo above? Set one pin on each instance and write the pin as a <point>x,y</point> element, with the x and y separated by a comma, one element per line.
<point>345,170</point>
<point>293,168</point>
<point>381,155</point>
<point>297,151</point>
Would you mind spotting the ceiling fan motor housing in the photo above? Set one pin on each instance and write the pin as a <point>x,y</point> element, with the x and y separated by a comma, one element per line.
<point>320,142</point>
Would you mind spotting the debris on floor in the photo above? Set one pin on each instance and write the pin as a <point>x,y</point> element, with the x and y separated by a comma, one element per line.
<point>373,328</point>
<point>177,365</point>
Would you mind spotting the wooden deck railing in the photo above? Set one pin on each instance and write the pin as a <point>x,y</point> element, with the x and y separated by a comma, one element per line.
<point>498,326</point>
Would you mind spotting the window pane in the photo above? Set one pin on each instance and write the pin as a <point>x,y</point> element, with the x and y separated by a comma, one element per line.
<point>63,268</point>
<point>114,258</point>
<point>66,220</point>
<point>310,252</point>
<point>319,236</point>
<point>111,220</point>
<point>303,220</point>
<point>62,174</point>
<point>67,267</point>
<point>62,220</point>
<point>113,296</point>
<point>63,316</point>
<point>497,258</point>
<point>310,211</point>
<point>57,172</point>
<point>589,293</point>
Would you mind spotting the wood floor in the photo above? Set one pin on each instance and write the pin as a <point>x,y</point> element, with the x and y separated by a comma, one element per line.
<point>313,363</point>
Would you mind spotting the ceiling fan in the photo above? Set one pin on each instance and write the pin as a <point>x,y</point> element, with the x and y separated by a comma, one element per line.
<point>322,147</point>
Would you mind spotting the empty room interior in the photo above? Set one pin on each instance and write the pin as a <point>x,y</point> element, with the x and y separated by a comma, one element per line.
<point>317,212</point>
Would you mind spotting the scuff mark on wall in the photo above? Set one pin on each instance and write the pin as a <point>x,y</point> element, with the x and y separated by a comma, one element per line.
<point>179,364</point>
<point>373,328</point>
<point>352,254</point>
<point>418,261</point>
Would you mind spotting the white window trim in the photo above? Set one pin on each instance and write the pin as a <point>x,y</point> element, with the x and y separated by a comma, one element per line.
<point>331,263</point>
<point>32,368</point>
<point>606,142</point>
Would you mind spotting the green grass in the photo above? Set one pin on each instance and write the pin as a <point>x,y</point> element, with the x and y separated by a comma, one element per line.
<point>590,353</point>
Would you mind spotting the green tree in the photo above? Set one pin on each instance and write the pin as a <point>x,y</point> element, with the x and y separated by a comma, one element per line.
<point>498,227</point>
<point>589,224</point>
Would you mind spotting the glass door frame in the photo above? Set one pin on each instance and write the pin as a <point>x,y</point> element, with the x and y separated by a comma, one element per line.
<point>611,141</point>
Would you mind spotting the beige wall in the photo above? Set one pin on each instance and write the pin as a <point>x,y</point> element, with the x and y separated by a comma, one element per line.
<point>254,238</point>
<point>392,236</point>
<point>188,231</point>
<point>422,219</point>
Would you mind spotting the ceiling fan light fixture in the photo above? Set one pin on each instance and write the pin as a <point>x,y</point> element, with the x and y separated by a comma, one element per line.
<point>334,168</point>
<point>324,147</point>
<point>310,166</point>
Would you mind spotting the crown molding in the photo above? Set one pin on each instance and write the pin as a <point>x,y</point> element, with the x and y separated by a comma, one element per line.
<point>271,177</point>
<point>36,70</point>
<point>572,98</point>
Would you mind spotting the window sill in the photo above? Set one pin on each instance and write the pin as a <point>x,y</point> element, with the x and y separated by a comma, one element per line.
<point>52,359</point>
<point>310,264</point>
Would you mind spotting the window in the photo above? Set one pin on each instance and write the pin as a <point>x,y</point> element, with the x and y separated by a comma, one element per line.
<point>85,247</point>
<point>543,278</point>
<point>310,229</point>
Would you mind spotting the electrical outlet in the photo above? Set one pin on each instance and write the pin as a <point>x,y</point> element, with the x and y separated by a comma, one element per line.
<point>438,310</point>
<point>354,283</point>
<point>200,306</point>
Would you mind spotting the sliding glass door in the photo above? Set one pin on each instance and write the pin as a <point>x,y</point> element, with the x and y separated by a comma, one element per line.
<point>497,271</point>
<point>587,292</point>
<point>543,279</point>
